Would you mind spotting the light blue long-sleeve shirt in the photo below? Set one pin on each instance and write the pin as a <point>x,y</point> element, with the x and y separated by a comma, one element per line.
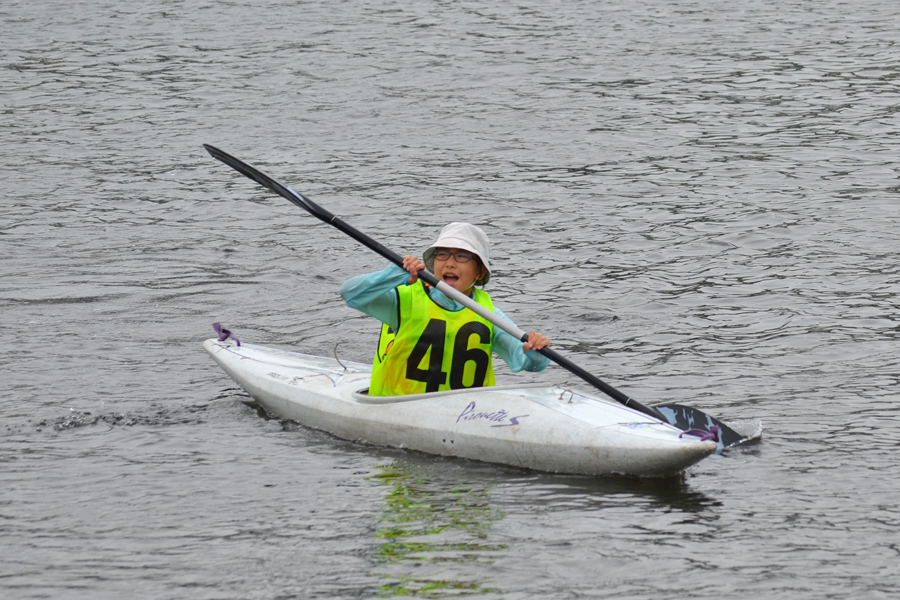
<point>374,295</point>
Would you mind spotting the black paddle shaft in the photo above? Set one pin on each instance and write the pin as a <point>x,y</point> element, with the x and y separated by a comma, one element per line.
<point>599,384</point>
<point>322,214</point>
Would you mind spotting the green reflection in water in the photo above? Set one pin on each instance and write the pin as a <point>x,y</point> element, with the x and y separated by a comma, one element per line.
<point>433,525</point>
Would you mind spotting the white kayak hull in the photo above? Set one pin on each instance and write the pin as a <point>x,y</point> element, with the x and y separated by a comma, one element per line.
<point>538,427</point>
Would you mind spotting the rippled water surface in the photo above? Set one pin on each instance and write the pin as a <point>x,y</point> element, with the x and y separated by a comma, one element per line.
<point>697,201</point>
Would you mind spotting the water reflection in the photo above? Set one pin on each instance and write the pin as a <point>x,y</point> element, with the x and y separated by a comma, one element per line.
<point>433,527</point>
<point>440,530</point>
<point>597,493</point>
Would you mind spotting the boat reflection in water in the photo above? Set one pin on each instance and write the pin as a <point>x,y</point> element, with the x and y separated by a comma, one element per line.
<point>431,526</point>
<point>446,522</point>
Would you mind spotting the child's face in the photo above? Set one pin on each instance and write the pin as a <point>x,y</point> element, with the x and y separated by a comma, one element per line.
<point>455,273</point>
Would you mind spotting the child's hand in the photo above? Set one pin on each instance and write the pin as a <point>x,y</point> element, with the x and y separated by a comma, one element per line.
<point>536,341</point>
<point>413,265</point>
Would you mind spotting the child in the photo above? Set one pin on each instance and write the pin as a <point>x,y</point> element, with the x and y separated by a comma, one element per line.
<point>426,342</point>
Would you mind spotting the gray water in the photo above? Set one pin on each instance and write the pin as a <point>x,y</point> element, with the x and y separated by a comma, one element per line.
<point>696,201</point>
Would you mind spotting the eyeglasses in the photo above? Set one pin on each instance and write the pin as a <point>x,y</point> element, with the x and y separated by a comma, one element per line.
<point>460,257</point>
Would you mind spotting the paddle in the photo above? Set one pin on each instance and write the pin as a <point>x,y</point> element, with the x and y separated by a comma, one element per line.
<point>683,417</point>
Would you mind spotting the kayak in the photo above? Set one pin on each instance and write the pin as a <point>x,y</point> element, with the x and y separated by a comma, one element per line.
<point>535,426</point>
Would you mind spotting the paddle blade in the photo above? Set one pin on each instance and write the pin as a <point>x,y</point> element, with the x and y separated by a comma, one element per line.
<point>685,417</point>
<point>268,183</point>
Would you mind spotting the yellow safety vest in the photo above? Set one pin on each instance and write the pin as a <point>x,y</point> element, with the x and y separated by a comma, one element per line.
<point>433,349</point>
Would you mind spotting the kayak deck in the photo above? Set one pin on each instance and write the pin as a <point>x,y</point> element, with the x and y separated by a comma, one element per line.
<point>547,428</point>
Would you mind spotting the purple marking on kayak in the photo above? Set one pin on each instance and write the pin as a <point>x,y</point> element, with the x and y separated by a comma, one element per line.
<point>705,436</point>
<point>498,416</point>
<point>225,334</point>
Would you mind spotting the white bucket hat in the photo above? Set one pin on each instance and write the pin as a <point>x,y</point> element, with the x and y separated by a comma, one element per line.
<point>465,237</point>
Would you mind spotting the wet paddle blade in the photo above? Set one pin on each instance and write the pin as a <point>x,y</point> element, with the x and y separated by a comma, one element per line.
<point>685,418</point>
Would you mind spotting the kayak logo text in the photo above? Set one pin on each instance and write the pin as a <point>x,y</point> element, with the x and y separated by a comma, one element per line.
<point>499,416</point>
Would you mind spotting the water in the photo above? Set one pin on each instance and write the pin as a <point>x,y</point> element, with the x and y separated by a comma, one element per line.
<point>696,201</point>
